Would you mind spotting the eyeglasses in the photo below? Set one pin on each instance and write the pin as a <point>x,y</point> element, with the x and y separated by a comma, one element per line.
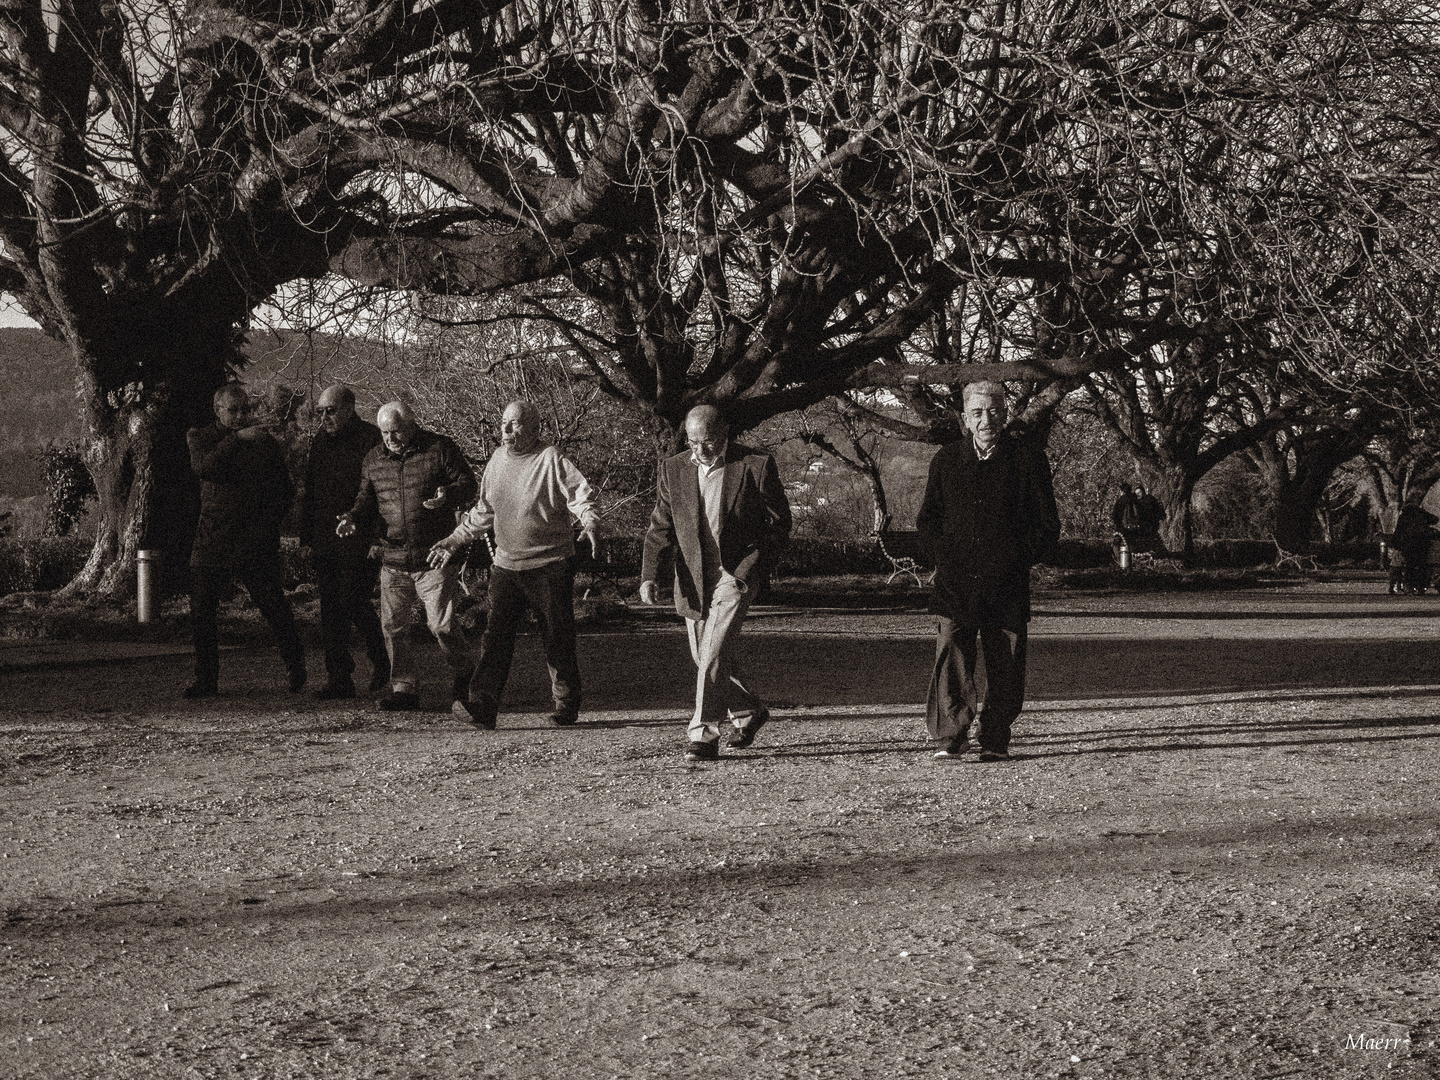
<point>327,410</point>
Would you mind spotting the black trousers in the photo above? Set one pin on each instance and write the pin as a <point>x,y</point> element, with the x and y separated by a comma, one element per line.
<point>263,583</point>
<point>953,700</point>
<point>550,591</point>
<point>347,583</point>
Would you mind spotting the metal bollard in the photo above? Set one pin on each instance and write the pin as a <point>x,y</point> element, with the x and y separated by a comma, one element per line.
<point>147,581</point>
<point>1124,554</point>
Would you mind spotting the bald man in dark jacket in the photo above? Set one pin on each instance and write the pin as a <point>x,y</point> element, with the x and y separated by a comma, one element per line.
<point>988,516</point>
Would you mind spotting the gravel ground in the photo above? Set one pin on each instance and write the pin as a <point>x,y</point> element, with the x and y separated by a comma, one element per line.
<point>1213,856</point>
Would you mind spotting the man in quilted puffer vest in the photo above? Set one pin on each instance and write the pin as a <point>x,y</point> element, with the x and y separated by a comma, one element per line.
<point>414,482</point>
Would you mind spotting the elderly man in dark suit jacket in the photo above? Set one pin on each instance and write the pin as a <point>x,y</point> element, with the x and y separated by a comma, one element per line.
<point>721,511</point>
<point>987,517</point>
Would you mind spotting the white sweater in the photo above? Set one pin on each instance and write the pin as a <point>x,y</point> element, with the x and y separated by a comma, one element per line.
<point>530,501</point>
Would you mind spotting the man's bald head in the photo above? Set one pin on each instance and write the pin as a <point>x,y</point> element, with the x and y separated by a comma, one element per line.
<point>397,424</point>
<point>520,427</point>
<point>707,432</point>
<point>232,406</point>
<point>335,407</point>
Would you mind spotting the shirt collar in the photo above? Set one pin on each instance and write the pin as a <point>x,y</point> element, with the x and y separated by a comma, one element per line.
<point>984,455</point>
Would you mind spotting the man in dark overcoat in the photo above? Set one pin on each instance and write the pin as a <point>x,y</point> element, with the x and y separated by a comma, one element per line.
<point>344,573</point>
<point>245,491</point>
<point>988,515</point>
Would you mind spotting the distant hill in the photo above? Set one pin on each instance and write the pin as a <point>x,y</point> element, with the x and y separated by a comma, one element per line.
<point>39,379</point>
<point>40,407</point>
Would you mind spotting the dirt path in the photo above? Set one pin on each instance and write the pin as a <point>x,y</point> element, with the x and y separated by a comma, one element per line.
<point>1212,858</point>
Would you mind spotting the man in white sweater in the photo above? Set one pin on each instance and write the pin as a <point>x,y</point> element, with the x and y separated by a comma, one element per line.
<point>529,494</point>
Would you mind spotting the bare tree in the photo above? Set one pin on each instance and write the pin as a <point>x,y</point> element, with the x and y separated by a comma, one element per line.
<point>761,202</point>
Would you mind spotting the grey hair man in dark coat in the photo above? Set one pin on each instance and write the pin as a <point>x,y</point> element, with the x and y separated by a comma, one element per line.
<point>344,572</point>
<point>412,485</point>
<point>988,516</point>
<point>721,511</point>
<point>245,491</point>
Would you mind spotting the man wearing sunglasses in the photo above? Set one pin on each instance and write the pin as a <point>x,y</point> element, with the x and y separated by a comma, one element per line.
<point>345,575</point>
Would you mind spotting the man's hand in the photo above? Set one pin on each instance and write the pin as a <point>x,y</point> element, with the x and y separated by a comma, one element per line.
<point>251,433</point>
<point>591,534</point>
<point>435,502</point>
<point>440,555</point>
<point>649,592</point>
<point>344,526</point>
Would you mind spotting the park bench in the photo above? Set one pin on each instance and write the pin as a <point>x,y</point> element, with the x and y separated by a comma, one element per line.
<point>902,551</point>
<point>1293,560</point>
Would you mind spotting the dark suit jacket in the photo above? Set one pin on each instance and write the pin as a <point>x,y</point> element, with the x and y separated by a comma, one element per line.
<point>985,524</point>
<point>245,491</point>
<point>332,479</point>
<point>753,531</point>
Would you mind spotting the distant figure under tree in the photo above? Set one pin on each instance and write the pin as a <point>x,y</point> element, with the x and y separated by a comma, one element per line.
<point>1152,516</point>
<point>1414,532</point>
<point>1125,515</point>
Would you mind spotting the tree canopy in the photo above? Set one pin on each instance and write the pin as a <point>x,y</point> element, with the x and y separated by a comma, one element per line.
<point>758,204</point>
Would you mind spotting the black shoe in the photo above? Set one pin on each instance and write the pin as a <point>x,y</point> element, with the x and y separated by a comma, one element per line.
<point>460,688</point>
<point>563,717</point>
<point>994,755</point>
<point>334,691</point>
<point>297,677</point>
<point>483,713</point>
<point>742,737</point>
<point>199,690</point>
<point>399,701</point>
<point>379,677</point>
<point>703,751</point>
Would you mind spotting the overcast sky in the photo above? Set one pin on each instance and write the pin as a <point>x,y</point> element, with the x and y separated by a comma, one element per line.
<point>10,313</point>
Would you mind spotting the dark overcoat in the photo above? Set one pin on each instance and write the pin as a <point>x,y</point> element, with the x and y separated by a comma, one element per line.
<point>332,480</point>
<point>983,525</point>
<point>245,491</point>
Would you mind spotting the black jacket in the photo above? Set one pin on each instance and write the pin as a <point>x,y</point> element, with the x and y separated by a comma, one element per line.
<point>332,480</point>
<point>245,491</point>
<point>394,487</point>
<point>984,524</point>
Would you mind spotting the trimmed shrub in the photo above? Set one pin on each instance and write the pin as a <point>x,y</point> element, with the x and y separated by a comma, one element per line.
<point>40,564</point>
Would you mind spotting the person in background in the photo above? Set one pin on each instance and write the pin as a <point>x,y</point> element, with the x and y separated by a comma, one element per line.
<point>1152,516</point>
<point>344,572</point>
<point>1414,531</point>
<point>529,494</point>
<point>988,515</point>
<point>413,484</point>
<point>245,491</point>
<point>721,511</point>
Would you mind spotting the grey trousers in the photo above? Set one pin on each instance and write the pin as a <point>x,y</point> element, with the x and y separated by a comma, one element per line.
<point>436,590</point>
<point>720,690</point>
